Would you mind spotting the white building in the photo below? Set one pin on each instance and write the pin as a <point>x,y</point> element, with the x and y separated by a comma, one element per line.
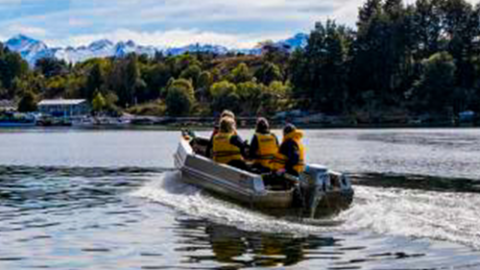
<point>7,105</point>
<point>64,107</point>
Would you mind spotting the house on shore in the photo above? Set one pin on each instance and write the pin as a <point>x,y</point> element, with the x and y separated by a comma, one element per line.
<point>64,107</point>
<point>7,105</point>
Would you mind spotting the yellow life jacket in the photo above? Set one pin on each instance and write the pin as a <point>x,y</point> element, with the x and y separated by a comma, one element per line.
<point>267,148</point>
<point>223,150</point>
<point>280,160</point>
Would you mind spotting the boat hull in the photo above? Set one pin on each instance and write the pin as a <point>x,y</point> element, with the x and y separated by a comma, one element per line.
<point>241,186</point>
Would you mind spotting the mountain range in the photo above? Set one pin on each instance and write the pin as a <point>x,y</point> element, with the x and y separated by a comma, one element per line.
<point>32,50</point>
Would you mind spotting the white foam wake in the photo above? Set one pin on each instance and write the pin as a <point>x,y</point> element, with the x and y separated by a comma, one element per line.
<point>452,217</point>
<point>168,190</point>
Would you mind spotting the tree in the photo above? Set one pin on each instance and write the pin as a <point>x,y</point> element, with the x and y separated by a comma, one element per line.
<point>192,73</point>
<point>320,72</point>
<point>132,80</point>
<point>179,63</point>
<point>94,82</point>
<point>370,10</point>
<point>180,98</point>
<point>433,92</point>
<point>51,67</point>
<point>249,94</point>
<point>460,22</point>
<point>382,51</point>
<point>98,102</point>
<point>268,73</point>
<point>427,21</point>
<point>241,74</point>
<point>225,97</point>
<point>205,80</point>
<point>275,98</point>
<point>12,66</point>
<point>156,77</point>
<point>27,103</point>
<point>124,78</point>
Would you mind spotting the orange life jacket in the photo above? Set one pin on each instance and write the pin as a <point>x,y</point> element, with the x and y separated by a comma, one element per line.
<point>223,150</point>
<point>280,160</point>
<point>267,148</point>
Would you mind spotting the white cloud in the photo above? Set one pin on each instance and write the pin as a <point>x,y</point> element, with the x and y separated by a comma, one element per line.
<point>233,23</point>
<point>171,38</point>
<point>27,30</point>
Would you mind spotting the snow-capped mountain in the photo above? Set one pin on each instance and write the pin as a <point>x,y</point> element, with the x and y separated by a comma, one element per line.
<point>197,48</point>
<point>300,40</point>
<point>32,50</point>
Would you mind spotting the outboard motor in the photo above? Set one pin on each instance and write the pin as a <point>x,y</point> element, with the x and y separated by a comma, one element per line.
<point>318,184</point>
<point>315,182</point>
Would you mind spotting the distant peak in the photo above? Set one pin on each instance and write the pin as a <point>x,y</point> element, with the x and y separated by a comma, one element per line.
<point>22,37</point>
<point>101,43</point>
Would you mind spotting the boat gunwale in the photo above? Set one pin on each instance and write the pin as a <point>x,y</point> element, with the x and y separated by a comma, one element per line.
<point>191,154</point>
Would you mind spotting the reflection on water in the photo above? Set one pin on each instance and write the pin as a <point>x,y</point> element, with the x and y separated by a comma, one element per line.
<point>114,210</point>
<point>247,249</point>
<point>77,218</point>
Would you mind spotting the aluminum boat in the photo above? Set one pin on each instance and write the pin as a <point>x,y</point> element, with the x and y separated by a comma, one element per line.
<point>317,187</point>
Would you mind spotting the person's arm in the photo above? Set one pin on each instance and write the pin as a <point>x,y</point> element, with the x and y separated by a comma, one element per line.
<point>293,155</point>
<point>208,151</point>
<point>253,147</point>
<point>238,142</point>
<point>276,139</point>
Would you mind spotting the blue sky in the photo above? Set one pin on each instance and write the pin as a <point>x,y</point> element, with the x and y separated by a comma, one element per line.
<point>233,23</point>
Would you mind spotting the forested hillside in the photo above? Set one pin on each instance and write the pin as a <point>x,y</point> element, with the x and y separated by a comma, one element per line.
<point>398,60</point>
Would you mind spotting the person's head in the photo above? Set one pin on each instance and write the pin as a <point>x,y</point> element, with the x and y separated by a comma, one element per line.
<point>227,125</point>
<point>227,113</point>
<point>289,128</point>
<point>262,125</point>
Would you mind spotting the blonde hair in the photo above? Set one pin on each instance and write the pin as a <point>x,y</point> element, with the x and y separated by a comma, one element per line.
<point>227,125</point>
<point>227,113</point>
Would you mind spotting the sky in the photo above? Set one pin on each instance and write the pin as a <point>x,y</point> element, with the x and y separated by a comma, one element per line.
<point>169,23</point>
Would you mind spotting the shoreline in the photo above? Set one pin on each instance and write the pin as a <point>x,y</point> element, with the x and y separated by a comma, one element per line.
<point>207,126</point>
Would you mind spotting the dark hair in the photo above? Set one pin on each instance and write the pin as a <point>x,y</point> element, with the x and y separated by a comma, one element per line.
<point>288,128</point>
<point>262,125</point>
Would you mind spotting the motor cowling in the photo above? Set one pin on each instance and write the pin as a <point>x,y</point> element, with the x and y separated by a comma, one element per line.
<point>315,183</point>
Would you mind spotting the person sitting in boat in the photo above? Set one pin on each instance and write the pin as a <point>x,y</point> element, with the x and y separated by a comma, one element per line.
<point>225,113</point>
<point>263,147</point>
<point>228,147</point>
<point>290,158</point>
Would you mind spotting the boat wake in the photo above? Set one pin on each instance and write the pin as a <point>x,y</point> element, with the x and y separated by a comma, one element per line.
<point>444,216</point>
<point>168,190</point>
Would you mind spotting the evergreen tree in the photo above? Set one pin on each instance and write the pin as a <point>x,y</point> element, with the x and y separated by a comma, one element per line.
<point>94,82</point>
<point>268,73</point>
<point>27,102</point>
<point>433,92</point>
<point>98,103</point>
<point>51,67</point>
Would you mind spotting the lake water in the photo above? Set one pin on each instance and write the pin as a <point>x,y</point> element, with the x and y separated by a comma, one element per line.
<point>72,199</point>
